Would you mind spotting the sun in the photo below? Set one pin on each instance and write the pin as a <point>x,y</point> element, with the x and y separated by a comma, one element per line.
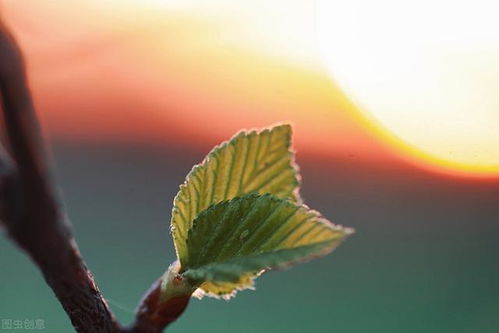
<point>426,71</point>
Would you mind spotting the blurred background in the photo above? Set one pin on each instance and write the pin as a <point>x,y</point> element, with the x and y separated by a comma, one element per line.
<point>132,93</point>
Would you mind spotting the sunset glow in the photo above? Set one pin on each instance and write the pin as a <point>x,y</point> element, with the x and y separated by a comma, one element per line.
<point>426,74</point>
<point>192,72</point>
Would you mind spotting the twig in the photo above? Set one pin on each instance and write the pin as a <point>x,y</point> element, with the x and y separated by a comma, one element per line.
<point>153,315</point>
<point>30,210</point>
<point>35,221</point>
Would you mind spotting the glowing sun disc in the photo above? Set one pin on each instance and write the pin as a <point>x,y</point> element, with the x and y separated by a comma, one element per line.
<point>427,71</point>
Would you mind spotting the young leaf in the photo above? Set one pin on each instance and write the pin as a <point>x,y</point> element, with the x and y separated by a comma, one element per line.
<point>230,243</point>
<point>250,162</point>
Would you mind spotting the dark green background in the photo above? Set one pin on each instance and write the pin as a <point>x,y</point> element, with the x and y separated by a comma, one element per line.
<point>424,258</point>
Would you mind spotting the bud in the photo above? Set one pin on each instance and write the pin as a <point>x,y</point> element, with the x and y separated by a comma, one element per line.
<point>174,285</point>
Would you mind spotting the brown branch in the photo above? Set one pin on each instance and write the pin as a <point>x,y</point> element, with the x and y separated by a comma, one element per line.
<point>29,208</point>
<point>34,219</point>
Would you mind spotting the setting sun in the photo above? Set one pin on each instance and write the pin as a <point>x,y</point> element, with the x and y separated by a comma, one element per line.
<point>168,62</point>
<point>427,72</point>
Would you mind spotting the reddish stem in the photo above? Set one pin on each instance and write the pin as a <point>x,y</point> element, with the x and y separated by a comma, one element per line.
<point>153,315</point>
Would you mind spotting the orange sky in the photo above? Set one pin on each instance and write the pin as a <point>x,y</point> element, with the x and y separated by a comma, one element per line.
<point>157,75</point>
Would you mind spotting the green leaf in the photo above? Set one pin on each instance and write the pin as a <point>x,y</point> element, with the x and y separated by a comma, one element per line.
<point>250,162</point>
<point>232,242</point>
